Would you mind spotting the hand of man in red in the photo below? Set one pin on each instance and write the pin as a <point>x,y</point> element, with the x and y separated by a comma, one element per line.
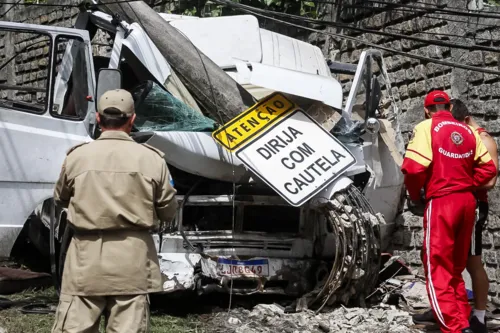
<point>417,207</point>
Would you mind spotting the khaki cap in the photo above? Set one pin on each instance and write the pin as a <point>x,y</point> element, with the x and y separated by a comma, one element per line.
<point>119,100</point>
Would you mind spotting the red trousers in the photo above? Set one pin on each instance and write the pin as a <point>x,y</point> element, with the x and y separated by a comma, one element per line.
<point>448,224</point>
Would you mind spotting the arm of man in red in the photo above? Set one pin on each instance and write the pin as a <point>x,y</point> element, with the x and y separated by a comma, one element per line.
<point>417,159</point>
<point>485,168</point>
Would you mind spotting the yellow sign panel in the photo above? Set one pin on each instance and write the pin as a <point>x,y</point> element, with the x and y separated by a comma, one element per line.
<point>253,121</point>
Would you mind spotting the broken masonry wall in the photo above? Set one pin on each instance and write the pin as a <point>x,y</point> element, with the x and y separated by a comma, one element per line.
<point>412,78</point>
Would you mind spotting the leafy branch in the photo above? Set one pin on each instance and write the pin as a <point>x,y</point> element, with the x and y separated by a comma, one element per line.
<point>207,8</point>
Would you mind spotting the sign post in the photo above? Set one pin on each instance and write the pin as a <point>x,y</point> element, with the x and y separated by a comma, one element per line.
<point>290,151</point>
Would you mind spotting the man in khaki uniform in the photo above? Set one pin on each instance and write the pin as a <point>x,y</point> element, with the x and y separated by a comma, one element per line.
<point>116,191</point>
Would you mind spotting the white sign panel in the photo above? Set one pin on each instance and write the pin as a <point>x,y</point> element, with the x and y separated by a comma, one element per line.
<point>297,158</point>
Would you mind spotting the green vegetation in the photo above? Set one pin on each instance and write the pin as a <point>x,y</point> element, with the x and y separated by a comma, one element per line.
<point>211,9</point>
<point>13,321</point>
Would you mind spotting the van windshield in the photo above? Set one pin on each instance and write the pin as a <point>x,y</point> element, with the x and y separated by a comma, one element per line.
<point>158,110</point>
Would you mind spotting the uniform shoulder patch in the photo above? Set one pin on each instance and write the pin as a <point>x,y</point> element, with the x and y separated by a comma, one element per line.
<point>156,150</point>
<point>75,147</point>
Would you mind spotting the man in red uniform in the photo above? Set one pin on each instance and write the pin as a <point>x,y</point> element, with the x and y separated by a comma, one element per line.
<point>475,266</point>
<point>449,159</point>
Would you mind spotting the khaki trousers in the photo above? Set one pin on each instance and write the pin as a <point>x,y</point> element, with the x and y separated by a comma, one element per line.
<point>82,314</point>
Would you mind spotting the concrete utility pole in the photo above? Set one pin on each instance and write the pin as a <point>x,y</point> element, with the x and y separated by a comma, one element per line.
<point>230,97</point>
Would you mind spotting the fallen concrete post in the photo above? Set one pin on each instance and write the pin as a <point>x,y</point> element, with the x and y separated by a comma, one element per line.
<point>221,96</point>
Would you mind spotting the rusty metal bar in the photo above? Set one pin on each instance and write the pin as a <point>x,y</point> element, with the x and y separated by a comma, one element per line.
<point>22,88</point>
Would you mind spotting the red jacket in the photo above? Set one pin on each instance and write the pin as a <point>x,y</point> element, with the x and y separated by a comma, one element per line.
<point>445,156</point>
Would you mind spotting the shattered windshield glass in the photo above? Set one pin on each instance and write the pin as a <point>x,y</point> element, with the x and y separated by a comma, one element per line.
<point>157,110</point>
<point>346,132</point>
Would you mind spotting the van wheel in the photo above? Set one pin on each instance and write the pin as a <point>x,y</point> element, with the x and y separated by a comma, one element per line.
<point>25,252</point>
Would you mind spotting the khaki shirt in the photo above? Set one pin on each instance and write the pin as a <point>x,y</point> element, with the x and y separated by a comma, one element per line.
<point>116,191</point>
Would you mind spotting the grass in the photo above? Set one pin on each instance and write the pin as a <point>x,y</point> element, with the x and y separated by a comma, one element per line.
<point>13,321</point>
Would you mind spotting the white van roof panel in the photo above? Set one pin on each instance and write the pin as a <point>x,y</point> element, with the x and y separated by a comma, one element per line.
<point>224,39</point>
<point>290,53</point>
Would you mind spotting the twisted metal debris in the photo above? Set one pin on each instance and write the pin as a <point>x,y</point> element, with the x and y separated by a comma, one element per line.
<point>357,246</point>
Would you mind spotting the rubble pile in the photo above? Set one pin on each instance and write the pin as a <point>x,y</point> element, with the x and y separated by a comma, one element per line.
<point>399,294</point>
<point>272,318</point>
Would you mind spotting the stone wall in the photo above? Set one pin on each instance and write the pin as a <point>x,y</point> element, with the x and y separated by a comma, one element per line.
<point>411,79</point>
<point>31,68</point>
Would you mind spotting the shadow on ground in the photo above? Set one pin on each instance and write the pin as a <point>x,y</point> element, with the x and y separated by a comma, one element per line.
<point>184,304</point>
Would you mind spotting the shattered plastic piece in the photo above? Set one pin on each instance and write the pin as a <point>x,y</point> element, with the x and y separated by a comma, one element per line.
<point>394,282</point>
<point>358,273</point>
<point>158,110</point>
<point>336,205</point>
<point>348,133</point>
<point>415,294</point>
<point>340,198</point>
<point>405,277</point>
<point>374,221</point>
<point>380,218</point>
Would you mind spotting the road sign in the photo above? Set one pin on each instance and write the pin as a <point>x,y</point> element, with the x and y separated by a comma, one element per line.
<point>296,157</point>
<point>252,122</point>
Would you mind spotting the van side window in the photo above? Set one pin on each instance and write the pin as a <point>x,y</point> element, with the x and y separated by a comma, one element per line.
<point>24,70</point>
<point>71,79</point>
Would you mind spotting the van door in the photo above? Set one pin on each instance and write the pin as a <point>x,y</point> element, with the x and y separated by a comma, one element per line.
<point>38,126</point>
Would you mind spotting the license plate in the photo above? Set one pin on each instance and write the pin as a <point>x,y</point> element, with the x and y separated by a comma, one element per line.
<point>250,268</point>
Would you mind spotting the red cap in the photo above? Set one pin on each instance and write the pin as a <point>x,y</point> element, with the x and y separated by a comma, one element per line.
<point>436,97</point>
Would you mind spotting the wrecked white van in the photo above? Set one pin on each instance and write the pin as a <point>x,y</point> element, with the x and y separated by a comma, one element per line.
<point>233,232</point>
